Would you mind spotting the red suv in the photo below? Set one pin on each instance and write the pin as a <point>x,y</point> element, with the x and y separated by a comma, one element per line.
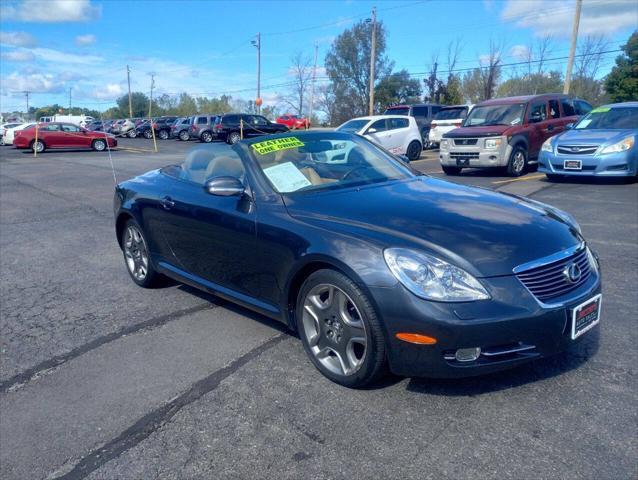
<point>62,135</point>
<point>293,121</point>
<point>508,132</point>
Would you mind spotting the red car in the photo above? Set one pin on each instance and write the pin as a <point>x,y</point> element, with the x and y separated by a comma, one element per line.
<point>62,135</point>
<point>294,121</point>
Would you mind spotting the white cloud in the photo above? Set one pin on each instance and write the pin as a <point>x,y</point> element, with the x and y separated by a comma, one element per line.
<point>520,52</point>
<point>51,11</point>
<point>555,17</point>
<point>17,39</point>
<point>57,56</point>
<point>108,92</point>
<point>34,82</point>
<point>17,56</point>
<point>83,40</point>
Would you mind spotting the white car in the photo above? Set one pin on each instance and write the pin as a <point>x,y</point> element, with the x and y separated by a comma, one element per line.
<point>447,119</point>
<point>398,134</point>
<point>8,134</point>
<point>3,130</point>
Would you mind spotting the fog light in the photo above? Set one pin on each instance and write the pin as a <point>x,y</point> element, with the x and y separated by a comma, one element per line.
<point>467,354</point>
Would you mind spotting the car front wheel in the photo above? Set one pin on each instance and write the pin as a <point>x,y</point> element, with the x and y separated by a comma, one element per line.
<point>517,162</point>
<point>340,330</point>
<point>163,135</point>
<point>207,137</point>
<point>132,133</point>
<point>98,145</point>
<point>136,256</point>
<point>148,134</point>
<point>184,136</point>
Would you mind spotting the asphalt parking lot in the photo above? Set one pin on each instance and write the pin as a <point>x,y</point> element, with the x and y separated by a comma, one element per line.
<point>101,379</point>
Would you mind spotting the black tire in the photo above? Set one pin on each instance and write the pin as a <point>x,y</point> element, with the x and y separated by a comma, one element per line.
<point>163,134</point>
<point>517,164</point>
<point>233,138</point>
<point>38,145</point>
<point>414,150</point>
<point>148,134</point>
<point>98,145</point>
<point>554,178</point>
<point>373,361</point>
<point>132,133</point>
<point>152,277</point>
<point>451,170</point>
<point>206,137</point>
<point>184,136</point>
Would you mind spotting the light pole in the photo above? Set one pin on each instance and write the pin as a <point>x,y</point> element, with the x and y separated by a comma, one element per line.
<point>373,54</point>
<point>257,43</point>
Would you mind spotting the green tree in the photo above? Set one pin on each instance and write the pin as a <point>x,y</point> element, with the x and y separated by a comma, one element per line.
<point>551,82</point>
<point>396,88</point>
<point>186,105</point>
<point>139,102</point>
<point>214,105</point>
<point>472,86</point>
<point>348,68</point>
<point>622,82</point>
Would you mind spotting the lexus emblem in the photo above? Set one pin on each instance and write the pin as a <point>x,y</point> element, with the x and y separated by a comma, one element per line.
<point>572,273</point>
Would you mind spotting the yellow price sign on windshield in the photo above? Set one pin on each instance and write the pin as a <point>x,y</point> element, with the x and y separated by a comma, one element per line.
<point>268,146</point>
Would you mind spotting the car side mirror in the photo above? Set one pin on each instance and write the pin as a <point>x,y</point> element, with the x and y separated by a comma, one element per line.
<point>371,130</point>
<point>569,126</point>
<point>224,186</point>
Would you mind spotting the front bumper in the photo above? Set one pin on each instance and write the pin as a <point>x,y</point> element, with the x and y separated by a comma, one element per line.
<point>512,318</point>
<point>621,164</point>
<point>474,156</point>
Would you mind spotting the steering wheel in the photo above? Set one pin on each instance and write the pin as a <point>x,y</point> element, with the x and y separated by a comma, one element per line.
<point>354,171</point>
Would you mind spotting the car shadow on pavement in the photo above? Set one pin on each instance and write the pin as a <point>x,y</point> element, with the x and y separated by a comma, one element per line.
<point>538,370</point>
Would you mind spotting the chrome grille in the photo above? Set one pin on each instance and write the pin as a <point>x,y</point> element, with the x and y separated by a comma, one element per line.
<point>464,155</point>
<point>550,280</point>
<point>577,149</point>
<point>465,141</point>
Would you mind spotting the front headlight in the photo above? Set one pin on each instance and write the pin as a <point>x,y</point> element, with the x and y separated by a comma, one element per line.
<point>493,143</point>
<point>547,146</point>
<point>445,143</point>
<point>593,261</point>
<point>621,146</point>
<point>431,278</point>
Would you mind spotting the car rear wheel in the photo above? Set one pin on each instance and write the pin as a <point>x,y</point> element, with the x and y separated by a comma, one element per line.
<point>517,163</point>
<point>414,150</point>
<point>233,138</point>
<point>184,136</point>
<point>132,133</point>
<point>38,146</point>
<point>163,135</point>
<point>98,145</point>
<point>136,256</point>
<point>148,134</point>
<point>451,170</point>
<point>206,137</point>
<point>340,330</point>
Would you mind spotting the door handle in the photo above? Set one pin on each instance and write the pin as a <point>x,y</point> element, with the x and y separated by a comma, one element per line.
<point>167,203</point>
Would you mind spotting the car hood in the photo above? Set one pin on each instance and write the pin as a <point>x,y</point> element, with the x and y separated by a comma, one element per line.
<point>489,131</point>
<point>593,136</point>
<point>485,232</point>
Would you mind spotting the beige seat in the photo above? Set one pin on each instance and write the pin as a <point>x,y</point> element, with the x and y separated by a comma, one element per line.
<point>224,166</point>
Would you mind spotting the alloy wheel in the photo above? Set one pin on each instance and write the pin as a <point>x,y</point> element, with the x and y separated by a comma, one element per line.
<point>136,253</point>
<point>234,138</point>
<point>207,137</point>
<point>183,135</point>
<point>518,163</point>
<point>99,145</point>
<point>334,329</point>
<point>38,146</point>
<point>163,134</point>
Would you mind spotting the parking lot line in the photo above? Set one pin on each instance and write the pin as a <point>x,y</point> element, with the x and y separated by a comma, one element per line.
<point>129,149</point>
<point>520,179</point>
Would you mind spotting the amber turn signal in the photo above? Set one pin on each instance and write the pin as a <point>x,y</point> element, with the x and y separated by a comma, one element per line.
<point>416,338</point>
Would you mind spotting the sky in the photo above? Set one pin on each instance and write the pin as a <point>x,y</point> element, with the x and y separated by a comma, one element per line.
<point>204,47</point>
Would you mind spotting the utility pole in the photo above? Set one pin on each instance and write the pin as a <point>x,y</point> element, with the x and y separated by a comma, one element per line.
<point>312,88</point>
<point>70,90</point>
<point>130,104</point>
<point>150,111</point>
<point>257,43</point>
<point>373,54</point>
<point>27,95</point>
<point>572,50</point>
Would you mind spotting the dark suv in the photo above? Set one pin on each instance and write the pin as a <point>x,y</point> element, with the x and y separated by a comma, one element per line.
<point>423,113</point>
<point>227,127</point>
<point>508,132</point>
<point>161,125</point>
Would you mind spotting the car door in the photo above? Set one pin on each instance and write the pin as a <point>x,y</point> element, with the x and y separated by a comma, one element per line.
<point>538,123</point>
<point>51,135</point>
<point>378,132</point>
<point>555,123</point>
<point>400,130</point>
<point>212,237</point>
<point>73,137</point>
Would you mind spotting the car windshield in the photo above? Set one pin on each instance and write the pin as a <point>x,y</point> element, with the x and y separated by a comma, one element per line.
<point>451,113</point>
<point>397,111</point>
<point>310,163</point>
<point>613,118</point>
<point>508,114</point>
<point>352,126</point>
